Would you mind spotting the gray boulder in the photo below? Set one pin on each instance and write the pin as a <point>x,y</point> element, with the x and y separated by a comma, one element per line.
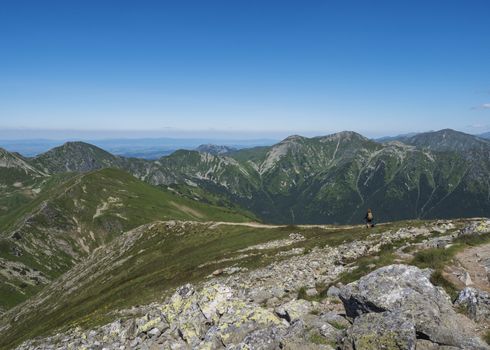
<point>293,310</point>
<point>476,303</point>
<point>263,339</point>
<point>408,292</point>
<point>336,320</point>
<point>385,330</point>
<point>475,228</point>
<point>333,291</point>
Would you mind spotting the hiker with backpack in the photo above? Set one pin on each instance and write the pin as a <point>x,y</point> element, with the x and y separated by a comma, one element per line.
<point>369,218</point>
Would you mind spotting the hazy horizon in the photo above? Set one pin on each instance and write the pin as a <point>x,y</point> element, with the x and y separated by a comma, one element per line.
<point>30,134</point>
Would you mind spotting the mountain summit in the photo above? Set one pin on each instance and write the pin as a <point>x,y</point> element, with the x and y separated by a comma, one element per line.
<point>75,157</point>
<point>448,140</point>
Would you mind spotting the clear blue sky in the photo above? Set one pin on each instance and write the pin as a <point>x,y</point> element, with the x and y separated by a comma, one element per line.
<point>263,68</point>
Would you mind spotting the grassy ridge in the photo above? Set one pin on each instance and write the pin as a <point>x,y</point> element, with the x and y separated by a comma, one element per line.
<point>75,214</point>
<point>162,258</point>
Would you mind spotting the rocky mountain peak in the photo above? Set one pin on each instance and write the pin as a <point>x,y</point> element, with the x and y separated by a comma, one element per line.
<point>448,140</point>
<point>343,135</point>
<point>13,160</point>
<point>79,146</point>
<point>293,138</point>
<point>75,156</point>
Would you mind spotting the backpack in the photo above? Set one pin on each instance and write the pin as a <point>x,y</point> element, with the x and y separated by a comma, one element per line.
<point>369,216</point>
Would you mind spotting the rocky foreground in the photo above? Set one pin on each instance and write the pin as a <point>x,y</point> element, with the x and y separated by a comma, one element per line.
<point>279,306</point>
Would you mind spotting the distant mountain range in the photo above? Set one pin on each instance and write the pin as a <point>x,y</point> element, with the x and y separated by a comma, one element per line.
<point>403,137</point>
<point>147,148</point>
<point>330,179</point>
<point>400,137</point>
<point>154,148</point>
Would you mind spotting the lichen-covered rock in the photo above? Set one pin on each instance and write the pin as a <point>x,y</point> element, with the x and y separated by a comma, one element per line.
<point>408,292</point>
<point>294,309</point>
<point>476,303</point>
<point>386,330</point>
<point>192,315</point>
<point>262,339</point>
<point>476,228</point>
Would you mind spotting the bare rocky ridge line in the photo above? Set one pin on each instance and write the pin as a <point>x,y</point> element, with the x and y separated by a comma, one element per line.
<point>259,309</point>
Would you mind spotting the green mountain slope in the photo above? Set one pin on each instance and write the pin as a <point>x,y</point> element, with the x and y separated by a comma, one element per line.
<point>47,236</point>
<point>19,182</point>
<point>334,179</point>
<point>330,179</point>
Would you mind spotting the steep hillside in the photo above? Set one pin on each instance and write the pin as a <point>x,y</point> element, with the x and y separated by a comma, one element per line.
<point>334,179</point>
<point>65,223</point>
<point>15,161</point>
<point>20,182</point>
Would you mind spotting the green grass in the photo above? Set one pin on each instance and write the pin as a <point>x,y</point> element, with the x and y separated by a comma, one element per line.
<point>337,325</point>
<point>438,279</point>
<point>316,338</point>
<point>20,204</point>
<point>321,293</point>
<point>435,258</point>
<point>438,258</point>
<point>302,294</point>
<point>486,337</point>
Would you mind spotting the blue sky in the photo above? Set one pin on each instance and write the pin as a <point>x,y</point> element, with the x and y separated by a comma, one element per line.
<point>244,68</point>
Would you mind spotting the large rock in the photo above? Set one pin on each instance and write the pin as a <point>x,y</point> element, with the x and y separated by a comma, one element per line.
<point>262,339</point>
<point>476,302</point>
<point>408,292</point>
<point>385,330</point>
<point>293,310</point>
<point>476,228</point>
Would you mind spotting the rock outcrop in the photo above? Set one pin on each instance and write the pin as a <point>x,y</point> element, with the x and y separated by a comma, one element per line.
<point>384,330</point>
<point>407,292</point>
<point>476,303</point>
